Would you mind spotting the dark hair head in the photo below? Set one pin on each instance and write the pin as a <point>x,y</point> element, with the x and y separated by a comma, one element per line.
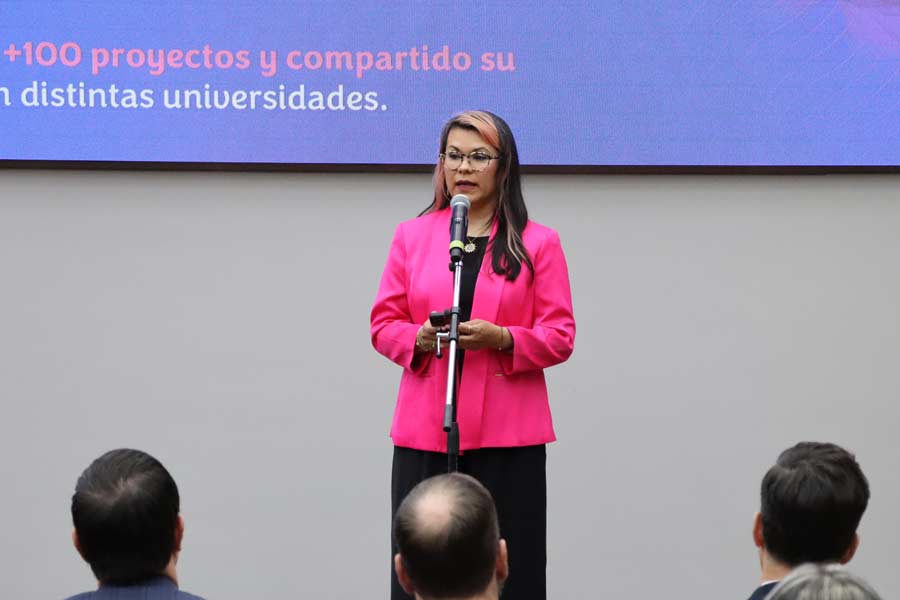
<point>508,252</point>
<point>812,502</point>
<point>822,582</point>
<point>447,533</point>
<point>125,509</point>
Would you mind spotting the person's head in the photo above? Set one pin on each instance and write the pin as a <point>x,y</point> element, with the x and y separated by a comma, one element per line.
<point>477,157</point>
<point>822,582</point>
<point>448,539</point>
<point>812,500</point>
<point>126,515</point>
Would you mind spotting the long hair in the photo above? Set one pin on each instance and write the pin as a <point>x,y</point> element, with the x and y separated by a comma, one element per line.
<point>508,252</point>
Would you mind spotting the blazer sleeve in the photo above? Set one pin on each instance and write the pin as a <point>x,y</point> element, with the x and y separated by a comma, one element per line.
<point>551,338</point>
<point>392,328</point>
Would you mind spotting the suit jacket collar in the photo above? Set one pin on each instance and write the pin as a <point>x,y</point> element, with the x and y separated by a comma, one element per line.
<point>762,591</point>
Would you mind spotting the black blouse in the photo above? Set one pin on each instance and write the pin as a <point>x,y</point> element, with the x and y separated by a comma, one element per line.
<point>471,267</point>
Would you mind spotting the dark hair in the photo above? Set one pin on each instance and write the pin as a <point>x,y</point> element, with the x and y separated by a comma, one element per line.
<point>812,502</point>
<point>125,510</point>
<point>508,252</point>
<point>448,557</point>
<point>822,582</point>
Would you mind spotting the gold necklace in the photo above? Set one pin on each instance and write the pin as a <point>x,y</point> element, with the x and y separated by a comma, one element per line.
<point>470,246</point>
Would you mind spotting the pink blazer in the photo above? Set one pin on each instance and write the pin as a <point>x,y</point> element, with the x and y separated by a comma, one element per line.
<point>502,400</point>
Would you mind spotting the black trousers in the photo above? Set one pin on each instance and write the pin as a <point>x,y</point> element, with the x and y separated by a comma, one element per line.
<point>517,479</point>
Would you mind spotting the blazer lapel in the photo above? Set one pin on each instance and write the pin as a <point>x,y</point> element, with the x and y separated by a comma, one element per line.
<point>485,305</point>
<point>488,288</point>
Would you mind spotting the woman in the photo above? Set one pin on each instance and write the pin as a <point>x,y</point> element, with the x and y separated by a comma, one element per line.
<point>516,320</point>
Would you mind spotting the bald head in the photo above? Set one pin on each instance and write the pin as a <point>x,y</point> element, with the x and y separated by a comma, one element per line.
<point>446,531</point>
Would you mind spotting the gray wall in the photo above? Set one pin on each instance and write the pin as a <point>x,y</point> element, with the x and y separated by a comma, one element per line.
<point>220,321</point>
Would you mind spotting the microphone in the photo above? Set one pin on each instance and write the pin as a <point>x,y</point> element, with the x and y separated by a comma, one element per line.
<point>459,225</point>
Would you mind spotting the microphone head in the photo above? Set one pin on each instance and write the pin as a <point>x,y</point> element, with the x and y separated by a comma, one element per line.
<point>460,199</point>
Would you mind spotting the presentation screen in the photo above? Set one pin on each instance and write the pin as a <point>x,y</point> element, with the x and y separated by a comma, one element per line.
<point>664,83</point>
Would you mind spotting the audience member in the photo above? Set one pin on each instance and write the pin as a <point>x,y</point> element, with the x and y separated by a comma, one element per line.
<point>812,500</point>
<point>822,582</point>
<point>128,527</point>
<point>449,541</point>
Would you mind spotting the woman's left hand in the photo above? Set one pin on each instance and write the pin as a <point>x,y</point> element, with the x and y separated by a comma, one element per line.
<point>478,333</point>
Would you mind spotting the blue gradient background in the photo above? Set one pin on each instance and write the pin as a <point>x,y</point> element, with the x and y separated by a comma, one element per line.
<point>596,83</point>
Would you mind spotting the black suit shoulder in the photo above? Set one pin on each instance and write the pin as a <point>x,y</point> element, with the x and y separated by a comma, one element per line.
<point>762,591</point>
<point>135,593</point>
<point>157,589</point>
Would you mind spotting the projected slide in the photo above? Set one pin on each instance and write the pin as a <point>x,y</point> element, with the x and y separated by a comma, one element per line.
<point>779,82</point>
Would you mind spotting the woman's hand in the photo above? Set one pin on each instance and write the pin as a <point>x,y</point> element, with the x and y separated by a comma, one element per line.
<point>478,333</point>
<point>426,338</point>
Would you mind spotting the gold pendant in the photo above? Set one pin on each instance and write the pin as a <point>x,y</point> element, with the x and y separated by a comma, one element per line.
<point>469,248</point>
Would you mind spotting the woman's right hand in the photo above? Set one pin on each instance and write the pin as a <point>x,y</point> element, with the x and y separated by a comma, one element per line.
<point>426,337</point>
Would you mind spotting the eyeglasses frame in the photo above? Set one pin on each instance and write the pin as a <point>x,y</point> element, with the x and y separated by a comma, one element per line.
<point>465,157</point>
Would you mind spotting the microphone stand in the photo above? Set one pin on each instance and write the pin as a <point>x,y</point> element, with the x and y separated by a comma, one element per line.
<point>450,424</point>
<point>459,225</point>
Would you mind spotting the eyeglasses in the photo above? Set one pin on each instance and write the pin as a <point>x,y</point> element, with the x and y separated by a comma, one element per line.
<point>478,160</point>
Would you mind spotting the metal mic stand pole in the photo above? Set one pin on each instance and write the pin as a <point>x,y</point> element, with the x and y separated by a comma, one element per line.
<point>450,424</point>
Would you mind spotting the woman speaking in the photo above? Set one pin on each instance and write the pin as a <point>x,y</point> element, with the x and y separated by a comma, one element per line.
<point>515,321</point>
